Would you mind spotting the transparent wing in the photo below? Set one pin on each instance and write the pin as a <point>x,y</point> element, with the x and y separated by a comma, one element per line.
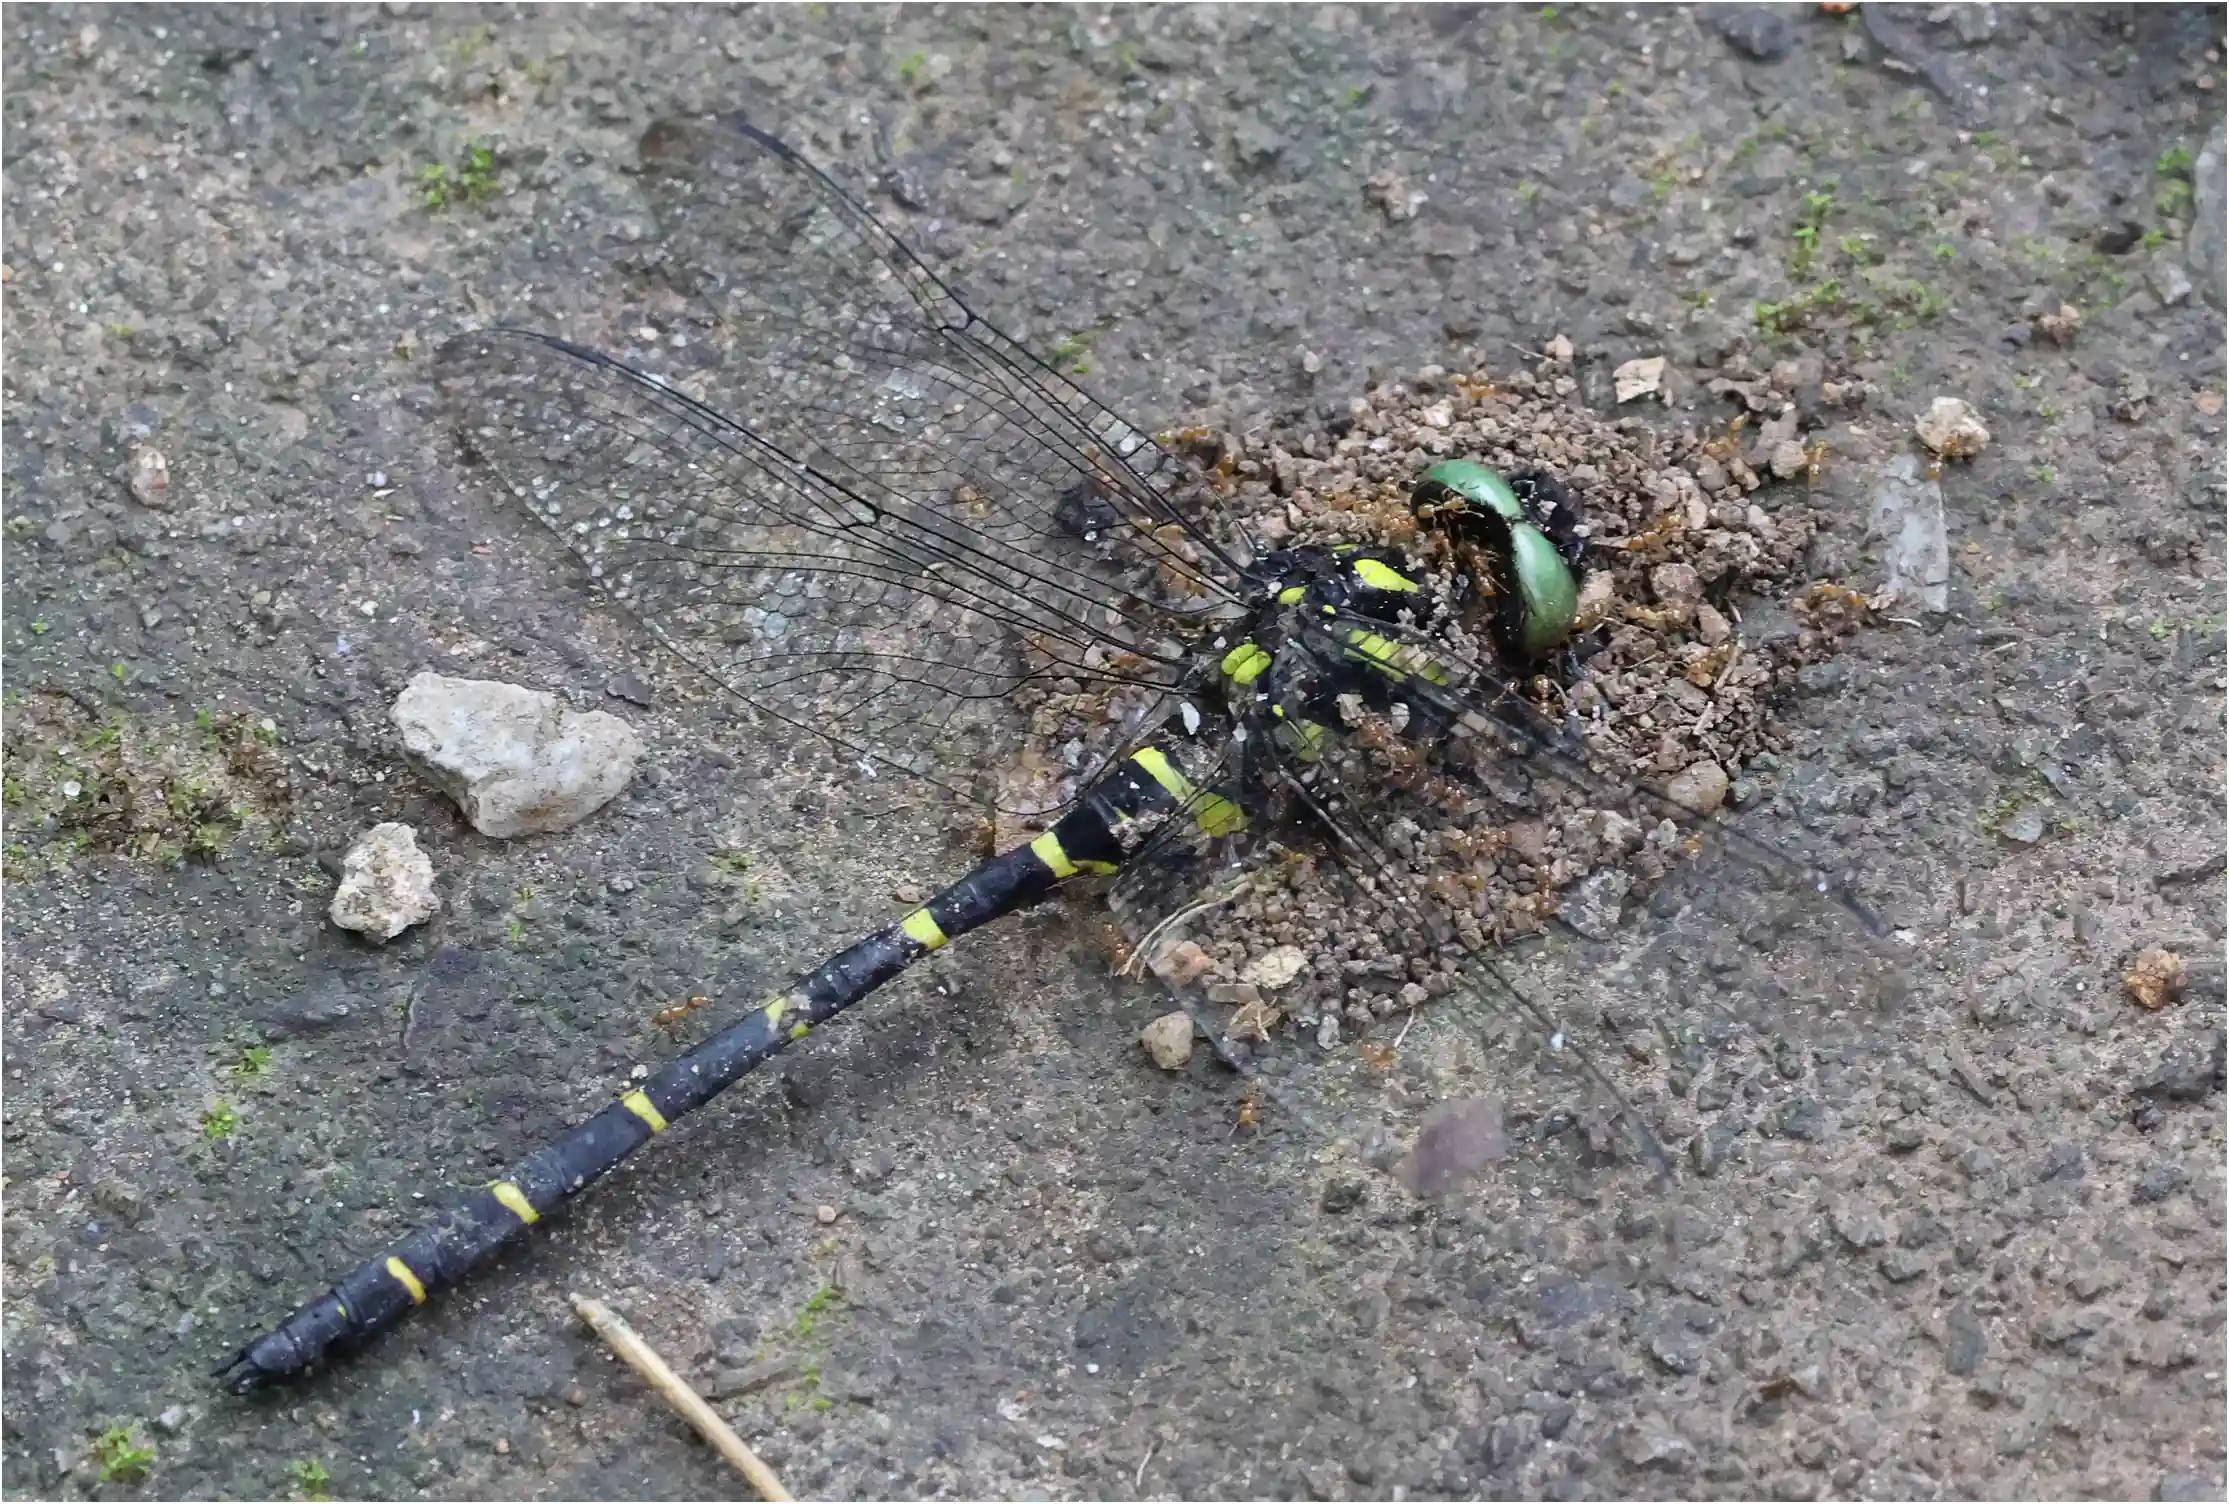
<point>838,345</point>
<point>1578,946</point>
<point>907,632</point>
<point>1583,844</point>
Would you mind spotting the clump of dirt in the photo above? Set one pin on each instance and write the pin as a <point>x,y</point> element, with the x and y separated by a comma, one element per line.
<point>1697,613</point>
<point>83,781</point>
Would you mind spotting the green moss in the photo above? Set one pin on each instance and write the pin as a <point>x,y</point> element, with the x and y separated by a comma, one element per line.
<point>1811,216</point>
<point>219,1121</point>
<point>255,1061</point>
<point>817,1305</point>
<point>309,1478</point>
<point>122,1461</point>
<point>469,181</point>
<point>2175,162</point>
<point>1074,351</point>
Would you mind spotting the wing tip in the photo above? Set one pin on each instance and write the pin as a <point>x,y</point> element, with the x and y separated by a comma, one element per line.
<point>672,127</point>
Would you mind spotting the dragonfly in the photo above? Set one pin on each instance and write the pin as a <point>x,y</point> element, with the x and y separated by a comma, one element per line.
<point>874,521</point>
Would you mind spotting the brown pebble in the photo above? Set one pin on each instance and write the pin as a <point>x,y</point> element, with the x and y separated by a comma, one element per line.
<point>824,1214</point>
<point>2155,979</point>
<point>503,1446</point>
<point>575,1396</point>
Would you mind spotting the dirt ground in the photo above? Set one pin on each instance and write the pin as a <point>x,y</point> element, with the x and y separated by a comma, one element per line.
<point>1980,1254</point>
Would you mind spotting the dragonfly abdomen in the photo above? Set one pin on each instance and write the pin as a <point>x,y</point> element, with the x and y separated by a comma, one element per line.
<point>441,1253</point>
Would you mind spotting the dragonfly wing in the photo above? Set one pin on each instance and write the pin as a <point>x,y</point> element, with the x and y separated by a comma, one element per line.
<point>896,632</point>
<point>842,347</point>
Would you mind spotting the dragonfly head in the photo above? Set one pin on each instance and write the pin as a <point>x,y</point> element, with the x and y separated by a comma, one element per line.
<point>1522,538</point>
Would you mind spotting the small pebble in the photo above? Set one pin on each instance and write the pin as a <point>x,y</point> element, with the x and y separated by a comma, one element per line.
<point>824,1214</point>
<point>2155,978</point>
<point>1952,429</point>
<point>1168,1039</point>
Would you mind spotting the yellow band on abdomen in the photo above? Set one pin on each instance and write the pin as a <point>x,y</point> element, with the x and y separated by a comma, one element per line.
<point>921,928</point>
<point>514,1201</point>
<point>408,1280</point>
<point>1047,849</point>
<point>642,1107</point>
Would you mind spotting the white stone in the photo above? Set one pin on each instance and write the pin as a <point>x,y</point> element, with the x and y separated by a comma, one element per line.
<point>515,760</point>
<point>1168,1039</point>
<point>386,884</point>
<point>1952,429</point>
<point>1274,968</point>
<point>2169,281</point>
<point>1701,788</point>
<point>1638,378</point>
<point>148,474</point>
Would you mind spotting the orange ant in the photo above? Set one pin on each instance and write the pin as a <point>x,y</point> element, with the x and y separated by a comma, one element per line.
<point>667,1018</point>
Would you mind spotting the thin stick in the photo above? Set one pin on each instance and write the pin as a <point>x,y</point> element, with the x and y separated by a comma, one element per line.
<point>678,1394</point>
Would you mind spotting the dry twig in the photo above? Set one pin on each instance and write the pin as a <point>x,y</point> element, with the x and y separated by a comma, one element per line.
<point>678,1394</point>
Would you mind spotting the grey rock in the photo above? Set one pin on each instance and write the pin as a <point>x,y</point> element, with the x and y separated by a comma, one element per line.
<point>1708,1149</point>
<point>1828,678</point>
<point>1801,1118</point>
<point>2203,251</point>
<point>1903,1137</point>
<point>1907,521</point>
<point>1965,1344</point>
<point>2188,1070</point>
<point>514,759</point>
<point>2024,828</point>
<point>630,688</point>
<point>1900,1265</point>
<point>2158,1183</point>
<point>1653,1443</point>
<point>733,1383</point>
<point>871,1168</point>
<point>2169,281</point>
<point>1594,905</point>
<point>2187,1488</point>
<point>309,1013</point>
<point>1758,32</point>
<point>2062,1161</point>
<point>1677,1351</point>
<point>386,884</point>
<point>1974,24</point>
<point>1342,1196</point>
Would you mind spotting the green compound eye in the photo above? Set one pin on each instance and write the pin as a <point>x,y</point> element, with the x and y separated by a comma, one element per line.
<point>1450,483</point>
<point>1536,591</point>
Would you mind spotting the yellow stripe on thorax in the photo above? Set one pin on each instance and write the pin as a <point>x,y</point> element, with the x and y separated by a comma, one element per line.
<point>1246,662</point>
<point>514,1201</point>
<point>642,1107</point>
<point>921,928</point>
<point>409,1281</point>
<point>1379,575</point>
<point>1211,812</point>
<point>1393,657</point>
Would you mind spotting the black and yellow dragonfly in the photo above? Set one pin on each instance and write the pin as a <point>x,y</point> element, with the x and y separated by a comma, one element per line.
<point>875,520</point>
